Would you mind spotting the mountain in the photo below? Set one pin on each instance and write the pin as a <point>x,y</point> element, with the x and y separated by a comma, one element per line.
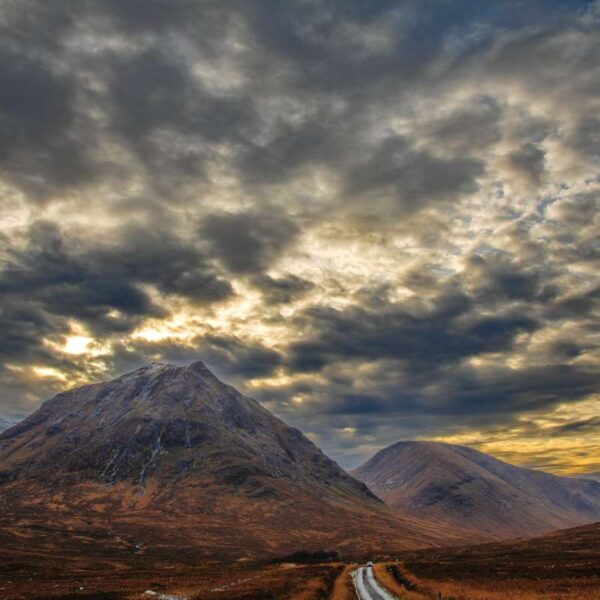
<point>172,457</point>
<point>479,494</point>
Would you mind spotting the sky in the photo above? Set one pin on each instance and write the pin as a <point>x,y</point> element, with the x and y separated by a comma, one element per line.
<point>379,219</point>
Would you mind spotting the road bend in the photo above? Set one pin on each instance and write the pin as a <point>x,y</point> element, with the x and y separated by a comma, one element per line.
<point>367,586</point>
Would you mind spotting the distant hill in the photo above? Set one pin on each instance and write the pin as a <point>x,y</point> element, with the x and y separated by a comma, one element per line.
<point>476,493</point>
<point>172,457</point>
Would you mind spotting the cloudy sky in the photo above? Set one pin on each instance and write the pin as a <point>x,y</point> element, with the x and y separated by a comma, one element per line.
<point>379,218</point>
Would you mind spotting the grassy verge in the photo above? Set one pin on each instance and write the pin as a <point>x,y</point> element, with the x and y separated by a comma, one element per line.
<point>493,588</point>
<point>390,576</point>
<point>343,588</point>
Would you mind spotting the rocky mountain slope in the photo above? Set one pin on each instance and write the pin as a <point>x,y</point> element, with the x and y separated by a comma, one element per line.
<point>483,496</point>
<point>170,456</point>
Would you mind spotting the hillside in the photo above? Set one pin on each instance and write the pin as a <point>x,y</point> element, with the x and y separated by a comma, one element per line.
<point>479,494</point>
<point>564,564</point>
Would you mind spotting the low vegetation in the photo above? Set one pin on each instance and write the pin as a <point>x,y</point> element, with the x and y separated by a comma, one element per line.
<point>343,588</point>
<point>561,566</point>
<point>205,581</point>
<point>393,579</point>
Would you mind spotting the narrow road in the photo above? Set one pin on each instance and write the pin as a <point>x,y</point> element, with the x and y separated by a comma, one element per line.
<point>367,586</point>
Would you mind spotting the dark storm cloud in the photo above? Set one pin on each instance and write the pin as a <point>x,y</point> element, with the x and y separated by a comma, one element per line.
<point>173,265</point>
<point>391,394</point>
<point>61,103</point>
<point>576,306</point>
<point>359,404</point>
<point>282,290</point>
<point>577,427</point>
<point>148,91</point>
<point>497,279</point>
<point>501,391</point>
<point>151,90</point>
<point>54,272</point>
<point>106,276</point>
<point>248,242</point>
<point>40,146</point>
<point>154,14</point>
<point>430,340</point>
<point>22,326</point>
<point>54,276</point>
<point>238,358</point>
<point>528,161</point>
<point>310,142</point>
<point>411,178</point>
<point>586,136</point>
<point>471,128</point>
<point>567,349</point>
<point>319,39</point>
<point>386,402</point>
<point>155,93</point>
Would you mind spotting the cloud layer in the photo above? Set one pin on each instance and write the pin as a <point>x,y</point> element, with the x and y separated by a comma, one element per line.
<point>378,218</point>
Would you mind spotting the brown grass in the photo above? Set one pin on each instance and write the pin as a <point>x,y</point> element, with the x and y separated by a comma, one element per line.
<point>563,589</point>
<point>204,581</point>
<point>285,582</point>
<point>406,586</point>
<point>343,588</point>
<point>387,575</point>
<point>563,565</point>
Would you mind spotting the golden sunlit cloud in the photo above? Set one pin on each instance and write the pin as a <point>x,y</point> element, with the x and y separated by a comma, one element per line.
<point>77,344</point>
<point>48,373</point>
<point>550,440</point>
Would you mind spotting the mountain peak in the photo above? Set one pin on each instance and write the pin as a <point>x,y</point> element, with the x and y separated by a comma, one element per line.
<point>162,384</point>
<point>200,368</point>
<point>153,367</point>
<point>157,368</point>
